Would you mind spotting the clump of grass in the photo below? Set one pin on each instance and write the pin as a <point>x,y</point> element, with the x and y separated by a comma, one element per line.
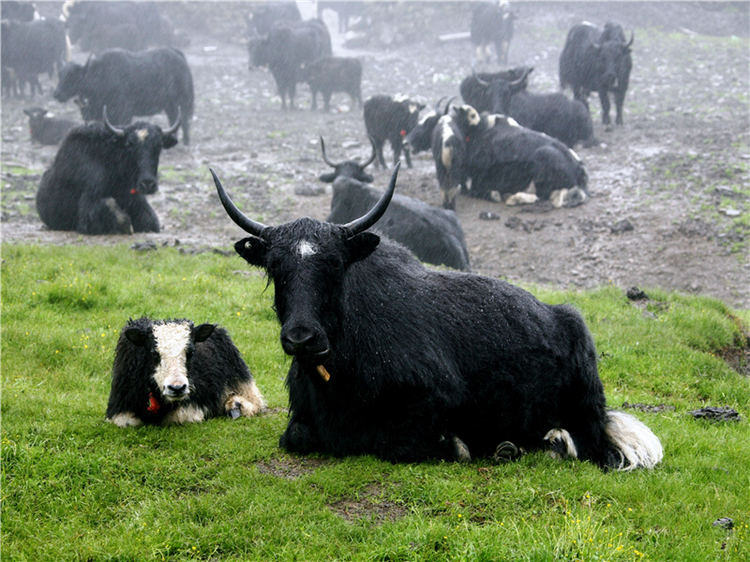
<point>77,488</point>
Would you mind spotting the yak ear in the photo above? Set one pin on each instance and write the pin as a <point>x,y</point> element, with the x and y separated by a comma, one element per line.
<point>253,250</point>
<point>362,245</point>
<point>136,336</point>
<point>328,178</point>
<point>203,332</point>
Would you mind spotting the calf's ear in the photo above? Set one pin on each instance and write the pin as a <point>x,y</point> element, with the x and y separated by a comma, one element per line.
<point>252,249</point>
<point>328,178</point>
<point>136,336</point>
<point>168,141</point>
<point>362,245</point>
<point>203,332</point>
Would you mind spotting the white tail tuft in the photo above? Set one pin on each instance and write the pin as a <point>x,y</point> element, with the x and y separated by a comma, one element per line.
<point>637,443</point>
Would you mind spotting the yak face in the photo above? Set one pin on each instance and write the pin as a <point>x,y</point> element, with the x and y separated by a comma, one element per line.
<point>307,260</point>
<point>141,144</point>
<point>348,169</point>
<point>71,82</point>
<point>420,137</point>
<point>170,347</point>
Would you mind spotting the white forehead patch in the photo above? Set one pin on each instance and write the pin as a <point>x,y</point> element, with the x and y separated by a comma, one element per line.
<point>413,107</point>
<point>172,341</point>
<point>142,134</point>
<point>306,249</point>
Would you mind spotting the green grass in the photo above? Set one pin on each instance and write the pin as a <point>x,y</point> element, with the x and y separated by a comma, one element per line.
<point>77,488</point>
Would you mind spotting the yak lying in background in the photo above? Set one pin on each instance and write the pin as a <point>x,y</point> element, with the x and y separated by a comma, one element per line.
<point>407,363</point>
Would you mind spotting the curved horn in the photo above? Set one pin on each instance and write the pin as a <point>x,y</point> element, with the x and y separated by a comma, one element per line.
<point>110,126</point>
<point>176,124</point>
<point>632,37</point>
<point>363,223</point>
<point>524,75</point>
<point>245,223</point>
<point>325,156</point>
<point>448,105</point>
<point>481,82</point>
<point>437,105</point>
<point>373,155</point>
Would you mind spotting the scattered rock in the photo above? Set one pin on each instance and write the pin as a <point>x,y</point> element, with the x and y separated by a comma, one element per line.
<point>648,407</point>
<point>144,246</point>
<point>716,414</point>
<point>488,216</point>
<point>622,226</point>
<point>635,294</point>
<point>724,522</point>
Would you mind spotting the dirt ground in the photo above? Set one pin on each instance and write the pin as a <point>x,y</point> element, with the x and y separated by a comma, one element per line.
<point>670,189</point>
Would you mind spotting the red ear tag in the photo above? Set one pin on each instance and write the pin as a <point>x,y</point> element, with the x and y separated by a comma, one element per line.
<point>467,139</point>
<point>133,191</point>
<point>403,133</point>
<point>153,404</point>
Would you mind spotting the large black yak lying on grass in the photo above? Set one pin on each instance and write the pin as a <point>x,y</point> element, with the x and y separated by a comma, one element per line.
<point>406,363</point>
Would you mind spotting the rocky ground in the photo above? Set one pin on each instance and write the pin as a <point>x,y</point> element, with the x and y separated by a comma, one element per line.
<point>670,189</point>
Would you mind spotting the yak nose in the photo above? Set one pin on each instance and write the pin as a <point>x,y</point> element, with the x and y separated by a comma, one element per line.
<point>177,389</point>
<point>303,342</point>
<point>148,186</point>
<point>297,340</point>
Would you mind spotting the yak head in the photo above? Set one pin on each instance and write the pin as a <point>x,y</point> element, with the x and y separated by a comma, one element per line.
<point>420,137</point>
<point>307,261</point>
<point>500,91</point>
<point>167,349</point>
<point>348,168</point>
<point>72,79</point>
<point>614,56</point>
<point>139,146</point>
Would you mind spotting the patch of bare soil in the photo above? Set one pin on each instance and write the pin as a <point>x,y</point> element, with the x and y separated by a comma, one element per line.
<point>670,188</point>
<point>370,505</point>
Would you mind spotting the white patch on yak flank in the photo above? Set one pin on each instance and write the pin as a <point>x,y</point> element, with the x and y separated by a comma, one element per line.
<point>426,117</point>
<point>125,419</point>
<point>562,435</point>
<point>142,134</point>
<point>446,133</point>
<point>187,414</point>
<point>637,443</point>
<point>306,249</point>
<point>249,399</point>
<point>172,341</point>
<point>492,120</point>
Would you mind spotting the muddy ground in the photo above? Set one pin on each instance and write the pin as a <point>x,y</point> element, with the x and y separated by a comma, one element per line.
<point>670,190</point>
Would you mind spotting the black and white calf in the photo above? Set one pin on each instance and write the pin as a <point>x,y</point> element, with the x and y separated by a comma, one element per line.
<point>172,372</point>
<point>390,119</point>
<point>441,134</point>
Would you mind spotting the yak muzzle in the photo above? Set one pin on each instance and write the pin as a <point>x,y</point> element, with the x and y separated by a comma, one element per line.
<point>175,392</point>
<point>147,186</point>
<point>304,344</point>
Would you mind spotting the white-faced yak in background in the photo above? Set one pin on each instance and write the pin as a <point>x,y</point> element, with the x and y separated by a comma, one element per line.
<point>172,372</point>
<point>407,363</point>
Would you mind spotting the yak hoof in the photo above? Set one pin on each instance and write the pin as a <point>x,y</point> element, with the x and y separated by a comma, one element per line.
<point>560,444</point>
<point>236,411</point>
<point>460,450</point>
<point>505,452</point>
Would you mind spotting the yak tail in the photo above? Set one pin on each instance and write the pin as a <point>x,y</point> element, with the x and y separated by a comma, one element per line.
<point>636,443</point>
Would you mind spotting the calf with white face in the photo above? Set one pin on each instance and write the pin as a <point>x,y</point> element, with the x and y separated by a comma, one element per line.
<point>172,372</point>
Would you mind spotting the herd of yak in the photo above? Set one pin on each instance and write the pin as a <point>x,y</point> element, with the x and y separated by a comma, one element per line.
<point>389,357</point>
